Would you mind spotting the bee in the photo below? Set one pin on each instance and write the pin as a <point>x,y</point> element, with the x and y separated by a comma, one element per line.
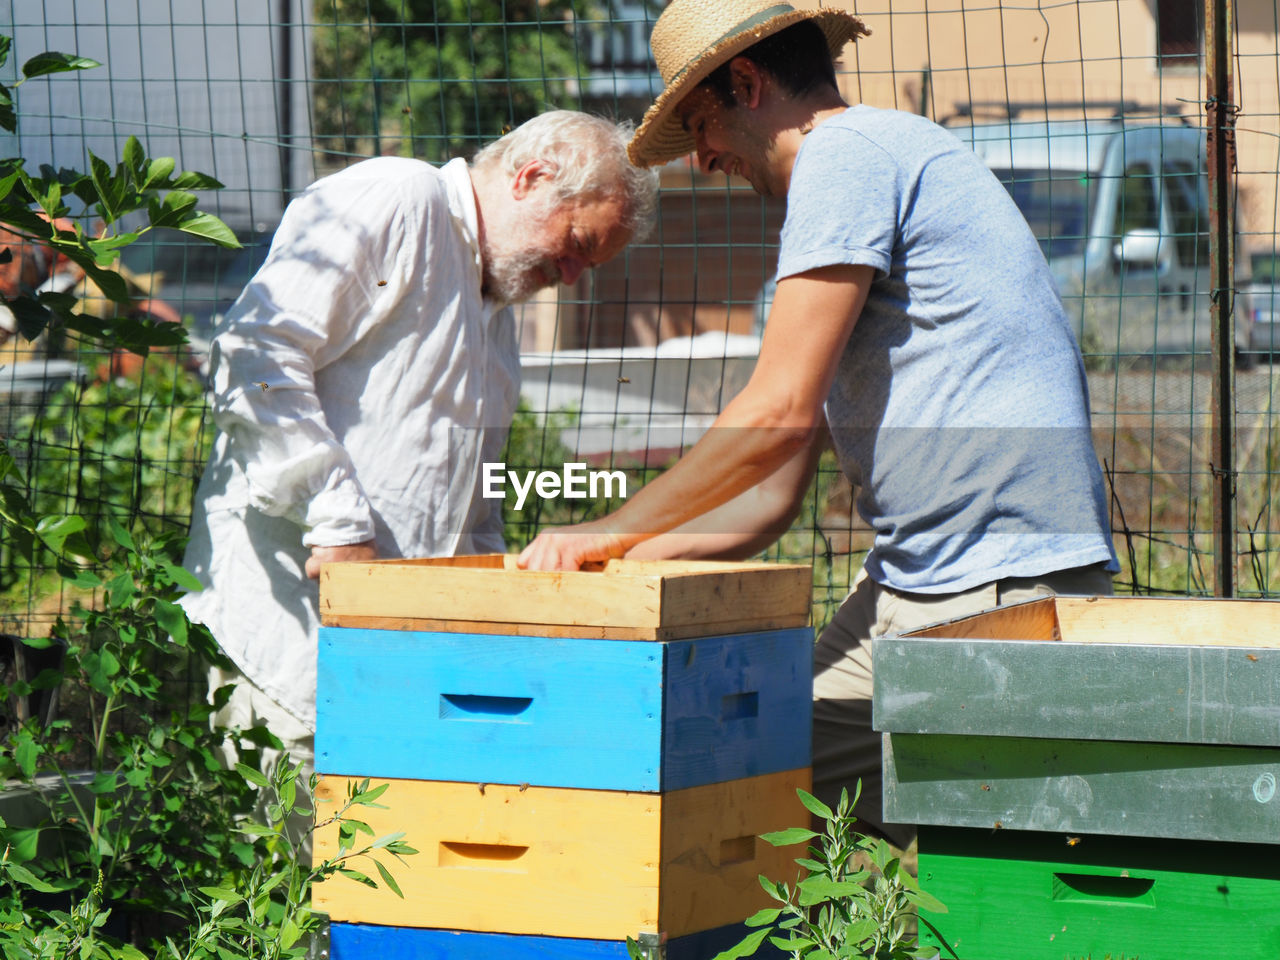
<point>986,786</point>
<point>482,786</point>
<point>1072,841</point>
<point>628,380</point>
<point>261,383</point>
<point>382,283</point>
<point>998,825</point>
<point>1252,657</point>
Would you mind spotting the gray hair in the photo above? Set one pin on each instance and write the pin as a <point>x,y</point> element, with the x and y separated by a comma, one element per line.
<point>589,155</point>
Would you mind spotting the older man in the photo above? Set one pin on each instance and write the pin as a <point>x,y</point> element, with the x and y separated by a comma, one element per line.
<point>915,318</point>
<point>370,368</point>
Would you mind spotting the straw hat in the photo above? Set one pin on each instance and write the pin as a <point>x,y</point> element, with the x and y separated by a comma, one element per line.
<point>693,37</point>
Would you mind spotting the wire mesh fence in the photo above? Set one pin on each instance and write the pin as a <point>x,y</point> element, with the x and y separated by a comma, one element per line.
<point>1092,112</point>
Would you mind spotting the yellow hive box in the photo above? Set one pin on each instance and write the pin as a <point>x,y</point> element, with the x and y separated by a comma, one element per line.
<point>620,599</point>
<point>591,864</point>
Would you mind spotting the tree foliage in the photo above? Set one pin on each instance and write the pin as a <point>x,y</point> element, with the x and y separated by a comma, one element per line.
<point>435,78</point>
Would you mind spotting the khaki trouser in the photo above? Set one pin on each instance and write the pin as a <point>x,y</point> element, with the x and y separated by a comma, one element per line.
<point>845,747</point>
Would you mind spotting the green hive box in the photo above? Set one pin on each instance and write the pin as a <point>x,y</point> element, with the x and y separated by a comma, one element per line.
<point>1092,776</point>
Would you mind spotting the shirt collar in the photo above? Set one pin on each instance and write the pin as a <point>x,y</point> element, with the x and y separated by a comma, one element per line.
<point>462,204</point>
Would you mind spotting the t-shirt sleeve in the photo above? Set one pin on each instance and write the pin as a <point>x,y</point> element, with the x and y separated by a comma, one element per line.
<point>842,207</point>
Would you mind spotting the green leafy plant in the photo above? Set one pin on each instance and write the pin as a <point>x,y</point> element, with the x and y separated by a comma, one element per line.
<point>123,447</point>
<point>267,916</point>
<point>138,799</point>
<point>141,791</point>
<point>854,899</point>
<point>53,934</point>
<point>145,822</point>
<point>262,913</point>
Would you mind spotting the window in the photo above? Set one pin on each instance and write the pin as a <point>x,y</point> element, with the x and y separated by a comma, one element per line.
<point>1139,209</point>
<point>617,51</point>
<point>1055,205</point>
<point>1178,27</point>
<point>1188,206</point>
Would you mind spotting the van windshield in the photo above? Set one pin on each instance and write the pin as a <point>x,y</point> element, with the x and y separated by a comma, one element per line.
<point>1055,204</point>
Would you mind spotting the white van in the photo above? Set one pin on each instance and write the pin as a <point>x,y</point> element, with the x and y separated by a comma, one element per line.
<point>1121,210</point>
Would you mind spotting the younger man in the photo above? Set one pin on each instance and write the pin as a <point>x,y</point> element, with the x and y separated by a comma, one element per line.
<point>915,319</point>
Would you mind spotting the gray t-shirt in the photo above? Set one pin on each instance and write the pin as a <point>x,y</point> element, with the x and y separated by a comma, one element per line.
<point>960,405</point>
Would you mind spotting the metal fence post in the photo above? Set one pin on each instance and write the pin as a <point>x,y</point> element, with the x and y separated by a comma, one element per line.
<point>1219,30</point>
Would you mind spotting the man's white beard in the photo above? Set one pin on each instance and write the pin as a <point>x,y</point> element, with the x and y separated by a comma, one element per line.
<point>513,263</point>
<point>517,276</point>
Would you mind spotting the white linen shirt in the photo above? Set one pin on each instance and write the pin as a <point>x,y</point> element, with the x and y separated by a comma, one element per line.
<point>359,382</point>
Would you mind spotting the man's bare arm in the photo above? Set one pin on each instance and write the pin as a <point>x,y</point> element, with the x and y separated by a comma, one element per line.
<point>749,523</point>
<point>773,419</point>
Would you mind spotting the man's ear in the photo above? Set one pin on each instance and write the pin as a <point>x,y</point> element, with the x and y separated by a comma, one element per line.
<point>747,82</point>
<point>531,176</point>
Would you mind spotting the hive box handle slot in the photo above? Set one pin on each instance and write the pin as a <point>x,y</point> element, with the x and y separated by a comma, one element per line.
<point>737,850</point>
<point>1088,886</point>
<point>470,706</point>
<point>491,856</point>
<point>740,706</point>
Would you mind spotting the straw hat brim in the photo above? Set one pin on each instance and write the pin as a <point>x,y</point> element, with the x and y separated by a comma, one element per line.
<point>661,138</point>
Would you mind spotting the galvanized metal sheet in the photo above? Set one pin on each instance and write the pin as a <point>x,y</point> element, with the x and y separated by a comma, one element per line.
<point>1079,787</point>
<point>1086,691</point>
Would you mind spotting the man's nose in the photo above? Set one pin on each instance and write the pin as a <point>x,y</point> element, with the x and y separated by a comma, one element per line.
<point>706,158</point>
<point>571,268</point>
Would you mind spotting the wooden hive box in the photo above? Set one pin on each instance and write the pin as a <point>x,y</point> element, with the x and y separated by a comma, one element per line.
<point>584,864</point>
<point>619,600</point>
<point>1021,895</point>
<point>1092,776</point>
<point>639,676</point>
<point>1137,716</point>
<point>359,941</point>
<point>563,711</point>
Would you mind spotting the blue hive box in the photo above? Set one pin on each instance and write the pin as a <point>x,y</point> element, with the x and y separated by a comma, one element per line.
<point>644,676</point>
<point>355,941</point>
<point>566,712</point>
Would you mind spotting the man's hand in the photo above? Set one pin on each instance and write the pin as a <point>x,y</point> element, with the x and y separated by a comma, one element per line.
<point>568,548</point>
<point>351,551</point>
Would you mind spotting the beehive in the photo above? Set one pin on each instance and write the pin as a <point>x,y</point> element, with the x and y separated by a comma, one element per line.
<point>580,757</point>
<point>1094,776</point>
